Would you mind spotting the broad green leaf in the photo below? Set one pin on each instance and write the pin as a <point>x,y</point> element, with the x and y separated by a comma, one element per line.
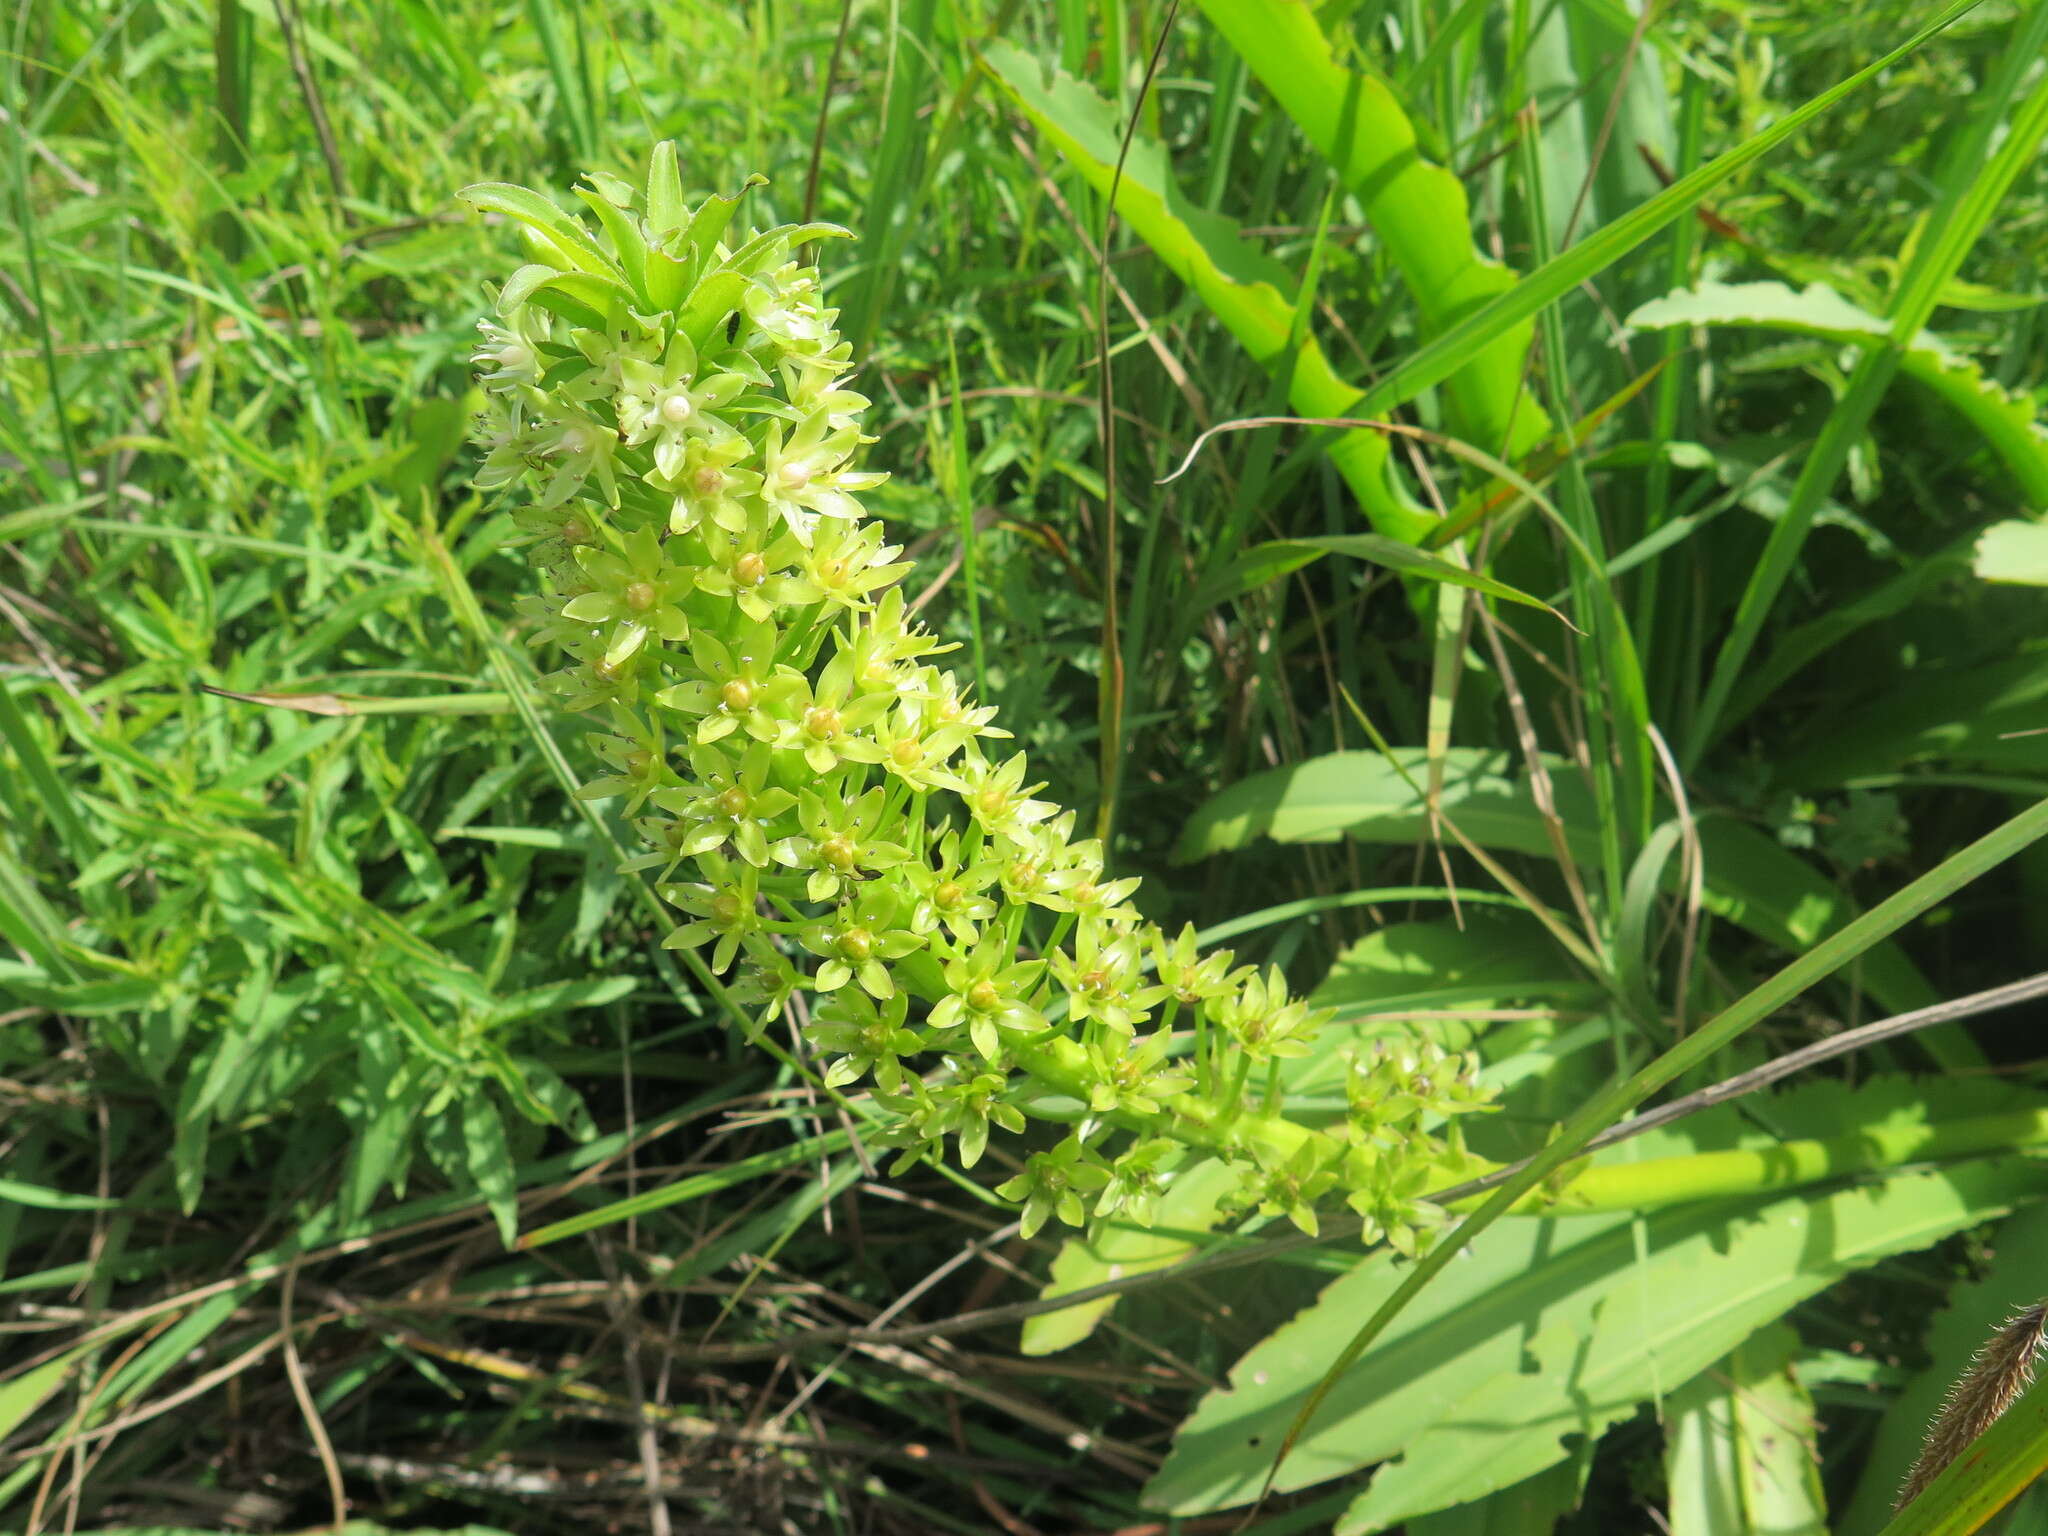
<point>1750,880</point>
<point>1531,1507</point>
<point>1551,1328</point>
<point>2009,422</point>
<point>1464,1329</point>
<point>1740,1453</point>
<point>1593,83</point>
<point>1629,1089</point>
<point>1188,1207</point>
<point>1418,210</point>
<point>1485,959</point>
<point>2015,552</point>
<point>1242,287</point>
<point>1982,716</point>
<point>1268,562</point>
<point>1363,795</point>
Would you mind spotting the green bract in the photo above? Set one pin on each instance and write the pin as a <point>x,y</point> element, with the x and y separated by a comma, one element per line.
<point>821,804</point>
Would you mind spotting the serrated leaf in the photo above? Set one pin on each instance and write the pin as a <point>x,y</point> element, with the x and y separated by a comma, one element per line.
<point>2014,552</point>
<point>1552,1328</point>
<point>2009,422</point>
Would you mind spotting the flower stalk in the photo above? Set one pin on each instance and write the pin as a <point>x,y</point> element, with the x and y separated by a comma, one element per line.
<point>824,805</point>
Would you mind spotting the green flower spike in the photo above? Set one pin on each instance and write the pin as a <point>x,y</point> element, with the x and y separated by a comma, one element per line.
<point>821,801</point>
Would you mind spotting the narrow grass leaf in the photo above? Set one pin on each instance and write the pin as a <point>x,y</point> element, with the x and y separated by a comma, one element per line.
<point>1262,564</point>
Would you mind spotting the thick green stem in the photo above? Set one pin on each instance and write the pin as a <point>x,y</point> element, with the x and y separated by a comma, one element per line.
<point>1786,1166</point>
<point>1062,1066</point>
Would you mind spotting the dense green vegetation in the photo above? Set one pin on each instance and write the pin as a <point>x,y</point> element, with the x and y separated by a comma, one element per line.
<point>366,1152</point>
